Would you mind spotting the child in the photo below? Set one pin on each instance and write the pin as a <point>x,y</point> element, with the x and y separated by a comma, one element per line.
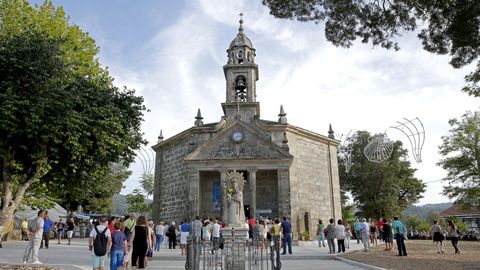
<point>119,247</point>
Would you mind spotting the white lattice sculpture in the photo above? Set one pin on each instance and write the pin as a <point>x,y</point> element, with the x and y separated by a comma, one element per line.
<point>379,148</point>
<point>415,133</point>
<point>348,149</point>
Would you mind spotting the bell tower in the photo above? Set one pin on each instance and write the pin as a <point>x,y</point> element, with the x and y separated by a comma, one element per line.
<point>241,74</point>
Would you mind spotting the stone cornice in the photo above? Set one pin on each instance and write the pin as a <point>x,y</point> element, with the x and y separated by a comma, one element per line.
<point>240,164</point>
<point>299,131</point>
<point>185,135</point>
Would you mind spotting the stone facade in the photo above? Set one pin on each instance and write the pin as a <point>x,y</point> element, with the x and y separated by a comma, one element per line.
<point>289,171</point>
<point>313,180</point>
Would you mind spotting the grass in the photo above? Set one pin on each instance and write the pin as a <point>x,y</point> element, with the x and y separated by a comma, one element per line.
<point>422,255</point>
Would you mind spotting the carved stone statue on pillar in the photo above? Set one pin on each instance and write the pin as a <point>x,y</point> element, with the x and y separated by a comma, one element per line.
<point>236,230</point>
<point>233,185</point>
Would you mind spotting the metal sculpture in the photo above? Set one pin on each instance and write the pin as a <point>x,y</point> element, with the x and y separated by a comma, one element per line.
<point>415,133</point>
<point>379,148</point>
<point>147,158</point>
<point>347,149</point>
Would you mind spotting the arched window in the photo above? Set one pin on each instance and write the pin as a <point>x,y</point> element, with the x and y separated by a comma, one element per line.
<point>241,89</point>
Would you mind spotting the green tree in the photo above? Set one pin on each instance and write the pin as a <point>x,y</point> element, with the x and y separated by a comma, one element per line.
<point>347,208</point>
<point>98,197</point>
<point>380,189</point>
<point>137,202</point>
<point>416,223</point>
<point>461,152</point>
<point>146,182</point>
<point>62,121</point>
<point>447,27</point>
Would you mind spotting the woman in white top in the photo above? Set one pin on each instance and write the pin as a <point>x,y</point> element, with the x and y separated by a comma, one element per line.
<point>206,230</point>
<point>453,234</point>
<point>438,236</point>
<point>340,235</point>
<point>348,235</point>
<point>263,234</point>
<point>159,234</point>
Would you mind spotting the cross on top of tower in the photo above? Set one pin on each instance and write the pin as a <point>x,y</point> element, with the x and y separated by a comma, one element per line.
<point>241,22</point>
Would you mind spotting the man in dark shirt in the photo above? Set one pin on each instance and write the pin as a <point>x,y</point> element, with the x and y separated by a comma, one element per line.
<point>60,230</point>
<point>286,229</point>
<point>70,227</point>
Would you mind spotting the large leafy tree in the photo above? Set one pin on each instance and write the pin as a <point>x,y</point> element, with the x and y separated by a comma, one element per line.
<point>95,199</point>
<point>380,189</point>
<point>62,121</point>
<point>447,26</point>
<point>461,151</point>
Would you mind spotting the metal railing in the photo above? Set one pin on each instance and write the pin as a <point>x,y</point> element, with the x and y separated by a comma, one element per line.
<point>233,254</point>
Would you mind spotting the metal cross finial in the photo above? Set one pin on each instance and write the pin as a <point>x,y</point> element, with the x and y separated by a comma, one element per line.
<point>241,22</point>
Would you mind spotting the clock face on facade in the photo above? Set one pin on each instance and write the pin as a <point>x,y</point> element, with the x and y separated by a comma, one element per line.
<point>237,136</point>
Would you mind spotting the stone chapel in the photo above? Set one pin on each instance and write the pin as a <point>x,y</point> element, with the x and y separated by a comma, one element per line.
<point>289,171</point>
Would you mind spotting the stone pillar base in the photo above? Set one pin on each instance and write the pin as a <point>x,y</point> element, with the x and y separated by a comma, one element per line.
<point>235,237</point>
<point>235,232</point>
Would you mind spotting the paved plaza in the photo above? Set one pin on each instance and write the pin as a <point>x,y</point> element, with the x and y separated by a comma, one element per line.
<point>76,256</point>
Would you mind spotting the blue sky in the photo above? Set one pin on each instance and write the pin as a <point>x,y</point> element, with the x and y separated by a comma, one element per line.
<point>172,53</point>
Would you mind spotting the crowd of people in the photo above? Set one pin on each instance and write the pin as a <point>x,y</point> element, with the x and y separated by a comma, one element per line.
<point>40,230</point>
<point>371,232</point>
<point>132,240</point>
<point>260,230</point>
<point>58,230</point>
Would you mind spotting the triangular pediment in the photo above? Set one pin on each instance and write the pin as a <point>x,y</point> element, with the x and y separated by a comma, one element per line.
<point>250,143</point>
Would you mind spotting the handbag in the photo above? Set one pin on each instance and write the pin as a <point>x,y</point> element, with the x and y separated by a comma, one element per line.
<point>149,253</point>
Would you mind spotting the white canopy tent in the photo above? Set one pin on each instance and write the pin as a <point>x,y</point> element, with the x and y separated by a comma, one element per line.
<point>55,213</point>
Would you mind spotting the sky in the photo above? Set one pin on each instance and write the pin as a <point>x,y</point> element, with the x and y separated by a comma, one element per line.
<point>172,53</point>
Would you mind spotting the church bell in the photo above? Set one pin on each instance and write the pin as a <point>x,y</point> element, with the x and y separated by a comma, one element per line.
<point>240,85</point>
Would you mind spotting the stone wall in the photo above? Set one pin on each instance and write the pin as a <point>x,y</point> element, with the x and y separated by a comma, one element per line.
<point>171,188</point>
<point>312,183</point>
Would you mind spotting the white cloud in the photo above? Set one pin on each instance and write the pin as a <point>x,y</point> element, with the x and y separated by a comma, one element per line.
<point>354,89</point>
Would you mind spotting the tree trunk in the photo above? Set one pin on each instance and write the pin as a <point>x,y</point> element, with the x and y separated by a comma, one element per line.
<point>10,198</point>
<point>6,213</point>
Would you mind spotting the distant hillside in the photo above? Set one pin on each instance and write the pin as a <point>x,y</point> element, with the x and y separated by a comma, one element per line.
<point>424,210</point>
<point>119,205</point>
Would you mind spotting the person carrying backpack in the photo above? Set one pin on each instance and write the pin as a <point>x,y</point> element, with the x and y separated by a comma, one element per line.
<point>99,243</point>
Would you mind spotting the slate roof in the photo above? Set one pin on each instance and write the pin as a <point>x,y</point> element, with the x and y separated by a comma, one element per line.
<point>456,210</point>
